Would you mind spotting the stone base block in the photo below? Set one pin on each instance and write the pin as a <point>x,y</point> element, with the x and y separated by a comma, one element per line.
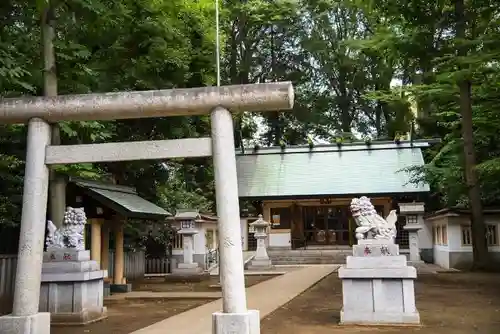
<point>120,288</point>
<point>107,289</point>
<point>375,242</point>
<point>187,269</point>
<point>188,266</point>
<point>34,324</point>
<point>73,276</point>
<point>415,263</point>
<point>187,275</point>
<point>377,273</point>
<point>236,323</point>
<point>70,267</point>
<point>357,262</point>
<point>387,300</point>
<point>85,317</point>
<point>260,264</point>
<point>379,318</point>
<point>73,302</point>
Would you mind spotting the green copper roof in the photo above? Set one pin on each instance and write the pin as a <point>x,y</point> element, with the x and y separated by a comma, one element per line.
<point>122,199</point>
<point>354,169</point>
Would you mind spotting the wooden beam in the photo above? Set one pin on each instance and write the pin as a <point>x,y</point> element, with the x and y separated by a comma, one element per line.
<point>128,151</point>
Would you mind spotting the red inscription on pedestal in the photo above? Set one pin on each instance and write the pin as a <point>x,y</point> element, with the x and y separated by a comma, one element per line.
<point>367,250</point>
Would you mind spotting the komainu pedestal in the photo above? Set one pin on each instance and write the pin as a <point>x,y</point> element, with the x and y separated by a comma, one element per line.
<point>72,287</point>
<point>377,283</point>
<point>377,286</point>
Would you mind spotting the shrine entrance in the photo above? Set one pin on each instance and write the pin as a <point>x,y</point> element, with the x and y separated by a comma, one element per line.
<point>328,225</point>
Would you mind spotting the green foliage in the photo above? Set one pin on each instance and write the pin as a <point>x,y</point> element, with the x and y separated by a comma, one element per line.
<point>106,46</point>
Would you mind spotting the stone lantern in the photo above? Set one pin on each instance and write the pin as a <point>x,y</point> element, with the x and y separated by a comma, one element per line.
<point>414,213</point>
<point>261,260</point>
<point>187,220</point>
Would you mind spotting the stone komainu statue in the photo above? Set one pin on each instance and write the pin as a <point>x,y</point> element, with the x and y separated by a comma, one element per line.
<point>370,224</point>
<point>71,233</point>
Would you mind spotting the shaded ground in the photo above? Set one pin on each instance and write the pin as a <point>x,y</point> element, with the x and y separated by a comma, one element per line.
<point>126,316</point>
<point>158,284</point>
<point>457,303</point>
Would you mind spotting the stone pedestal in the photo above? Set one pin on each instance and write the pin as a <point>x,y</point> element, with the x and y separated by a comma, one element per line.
<point>72,287</point>
<point>240,323</point>
<point>377,286</point>
<point>261,260</point>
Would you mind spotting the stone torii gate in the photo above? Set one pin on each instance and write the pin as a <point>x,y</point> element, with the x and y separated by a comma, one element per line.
<point>38,112</point>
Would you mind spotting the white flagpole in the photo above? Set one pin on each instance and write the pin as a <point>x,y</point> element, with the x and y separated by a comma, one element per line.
<point>217,41</point>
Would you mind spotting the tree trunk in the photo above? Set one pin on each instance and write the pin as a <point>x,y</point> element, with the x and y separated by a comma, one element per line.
<point>479,245</point>
<point>57,187</point>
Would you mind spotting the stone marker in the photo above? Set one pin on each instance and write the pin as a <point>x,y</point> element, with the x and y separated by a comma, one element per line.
<point>377,284</point>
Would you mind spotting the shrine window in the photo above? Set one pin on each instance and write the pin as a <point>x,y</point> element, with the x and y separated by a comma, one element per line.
<point>281,218</point>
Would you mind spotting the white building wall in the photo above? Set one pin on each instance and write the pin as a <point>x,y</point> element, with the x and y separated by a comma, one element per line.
<point>200,240</point>
<point>280,240</point>
<point>455,234</point>
<point>425,234</point>
<point>454,254</point>
<point>441,256</point>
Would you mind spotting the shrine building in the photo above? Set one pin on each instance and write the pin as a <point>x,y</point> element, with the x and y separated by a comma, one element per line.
<point>305,191</point>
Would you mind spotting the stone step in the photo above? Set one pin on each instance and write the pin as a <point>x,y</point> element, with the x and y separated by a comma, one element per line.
<point>308,257</point>
<point>308,254</point>
<point>311,260</point>
<point>294,257</point>
<point>324,261</point>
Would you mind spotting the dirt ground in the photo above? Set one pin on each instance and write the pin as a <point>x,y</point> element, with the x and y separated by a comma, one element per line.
<point>128,315</point>
<point>158,284</point>
<point>458,303</point>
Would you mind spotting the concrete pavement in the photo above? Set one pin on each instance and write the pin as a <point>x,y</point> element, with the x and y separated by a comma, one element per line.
<point>265,297</point>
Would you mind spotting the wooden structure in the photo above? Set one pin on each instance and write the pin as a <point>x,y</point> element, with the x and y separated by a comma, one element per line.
<point>108,207</point>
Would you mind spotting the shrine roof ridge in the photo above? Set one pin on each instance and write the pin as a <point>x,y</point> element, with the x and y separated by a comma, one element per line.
<point>344,147</point>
